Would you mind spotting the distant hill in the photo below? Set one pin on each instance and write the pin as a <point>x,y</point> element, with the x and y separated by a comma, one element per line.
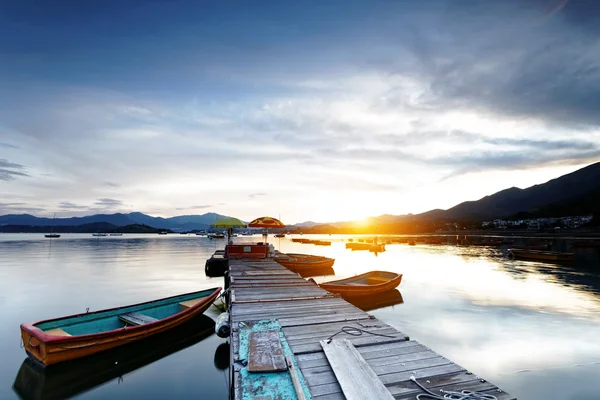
<point>576,185</point>
<point>85,228</point>
<point>185,222</point>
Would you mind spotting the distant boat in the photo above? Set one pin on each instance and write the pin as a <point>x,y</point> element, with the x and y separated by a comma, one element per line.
<point>163,232</point>
<point>217,235</point>
<point>99,234</point>
<point>51,234</point>
<point>280,235</point>
<point>373,282</point>
<point>539,255</point>
<point>115,234</point>
<point>62,339</point>
<point>247,233</point>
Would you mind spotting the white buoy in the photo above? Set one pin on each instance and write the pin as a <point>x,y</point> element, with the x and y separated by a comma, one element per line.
<point>222,328</point>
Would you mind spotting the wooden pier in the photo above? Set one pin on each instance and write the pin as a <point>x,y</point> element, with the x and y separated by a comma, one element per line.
<point>307,314</point>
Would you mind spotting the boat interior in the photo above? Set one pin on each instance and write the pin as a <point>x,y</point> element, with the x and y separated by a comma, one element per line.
<point>374,278</point>
<point>108,320</point>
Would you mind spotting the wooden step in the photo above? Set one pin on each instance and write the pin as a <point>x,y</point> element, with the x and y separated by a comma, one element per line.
<point>184,305</point>
<point>135,318</point>
<point>57,332</point>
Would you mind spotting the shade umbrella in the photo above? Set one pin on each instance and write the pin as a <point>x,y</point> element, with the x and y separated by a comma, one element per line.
<point>228,223</point>
<point>266,223</point>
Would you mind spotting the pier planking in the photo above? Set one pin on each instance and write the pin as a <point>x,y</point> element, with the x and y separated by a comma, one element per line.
<point>263,289</point>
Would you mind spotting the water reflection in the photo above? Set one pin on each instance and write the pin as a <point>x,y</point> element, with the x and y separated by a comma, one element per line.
<point>381,300</point>
<point>72,378</point>
<point>222,356</point>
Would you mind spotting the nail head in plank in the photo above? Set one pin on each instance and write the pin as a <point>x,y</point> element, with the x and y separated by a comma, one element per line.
<point>356,378</point>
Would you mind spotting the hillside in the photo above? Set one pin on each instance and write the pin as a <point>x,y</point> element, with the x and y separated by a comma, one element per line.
<point>185,222</point>
<point>514,200</point>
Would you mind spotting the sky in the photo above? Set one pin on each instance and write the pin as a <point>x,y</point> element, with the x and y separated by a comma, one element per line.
<point>322,111</point>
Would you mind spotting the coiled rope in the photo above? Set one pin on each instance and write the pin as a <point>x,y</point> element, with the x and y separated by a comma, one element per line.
<point>450,395</point>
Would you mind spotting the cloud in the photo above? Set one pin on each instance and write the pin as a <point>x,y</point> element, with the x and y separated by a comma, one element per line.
<point>8,145</point>
<point>72,206</point>
<point>9,171</point>
<point>258,194</point>
<point>19,208</point>
<point>201,207</point>
<point>111,184</point>
<point>108,203</point>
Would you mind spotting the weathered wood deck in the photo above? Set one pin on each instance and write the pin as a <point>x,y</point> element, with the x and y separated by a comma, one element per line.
<point>263,289</point>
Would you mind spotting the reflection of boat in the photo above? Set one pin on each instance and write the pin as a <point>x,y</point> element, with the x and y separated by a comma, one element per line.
<point>305,262</point>
<point>384,299</point>
<point>72,378</point>
<point>373,282</point>
<point>540,255</point>
<point>321,242</point>
<point>66,338</point>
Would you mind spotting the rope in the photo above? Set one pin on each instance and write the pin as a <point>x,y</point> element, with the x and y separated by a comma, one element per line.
<point>450,395</point>
<point>353,331</point>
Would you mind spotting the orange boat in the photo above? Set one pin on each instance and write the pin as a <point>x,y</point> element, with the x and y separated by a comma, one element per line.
<point>373,282</point>
<point>61,339</point>
<point>305,262</point>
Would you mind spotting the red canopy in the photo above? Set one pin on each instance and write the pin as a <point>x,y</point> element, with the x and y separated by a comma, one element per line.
<point>266,222</point>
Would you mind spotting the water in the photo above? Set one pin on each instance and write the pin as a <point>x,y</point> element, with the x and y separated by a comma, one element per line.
<point>531,328</point>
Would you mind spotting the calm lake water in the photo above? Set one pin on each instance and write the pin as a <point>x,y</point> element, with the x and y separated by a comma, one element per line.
<point>531,328</point>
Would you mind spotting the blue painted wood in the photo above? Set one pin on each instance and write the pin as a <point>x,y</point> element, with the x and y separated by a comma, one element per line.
<point>275,385</point>
<point>104,321</point>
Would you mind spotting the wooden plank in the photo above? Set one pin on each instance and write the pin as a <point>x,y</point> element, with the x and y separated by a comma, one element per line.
<point>295,379</point>
<point>135,318</point>
<point>356,378</point>
<point>265,353</point>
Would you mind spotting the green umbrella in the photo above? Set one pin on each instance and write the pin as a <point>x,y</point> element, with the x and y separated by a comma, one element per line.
<point>228,222</point>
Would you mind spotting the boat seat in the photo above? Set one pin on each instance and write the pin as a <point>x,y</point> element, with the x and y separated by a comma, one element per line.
<point>184,305</point>
<point>57,332</point>
<point>135,318</point>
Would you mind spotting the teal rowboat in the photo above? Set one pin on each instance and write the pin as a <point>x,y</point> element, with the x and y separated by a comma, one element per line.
<point>61,339</point>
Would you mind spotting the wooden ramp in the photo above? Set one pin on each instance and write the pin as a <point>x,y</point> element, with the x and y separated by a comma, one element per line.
<point>307,314</point>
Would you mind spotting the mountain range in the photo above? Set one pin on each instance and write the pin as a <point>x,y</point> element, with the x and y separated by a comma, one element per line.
<point>577,193</point>
<point>183,222</point>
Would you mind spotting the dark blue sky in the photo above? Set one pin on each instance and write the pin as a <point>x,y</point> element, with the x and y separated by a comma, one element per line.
<point>135,101</point>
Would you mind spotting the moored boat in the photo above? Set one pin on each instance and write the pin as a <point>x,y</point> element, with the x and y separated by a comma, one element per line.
<point>280,235</point>
<point>99,234</point>
<point>52,235</point>
<point>60,339</point>
<point>540,255</point>
<point>305,262</point>
<point>366,246</point>
<point>365,284</point>
<point>69,379</point>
